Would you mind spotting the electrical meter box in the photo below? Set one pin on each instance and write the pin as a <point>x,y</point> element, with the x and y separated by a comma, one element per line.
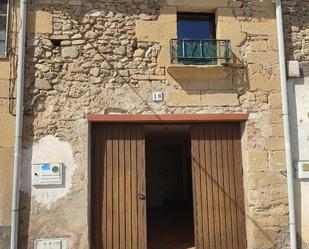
<point>51,244</point>
<point>47,174</point>
<point>302,169</point>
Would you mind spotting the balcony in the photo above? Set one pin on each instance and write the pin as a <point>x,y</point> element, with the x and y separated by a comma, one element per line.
<point>200,52</point>
<point>199,60</point>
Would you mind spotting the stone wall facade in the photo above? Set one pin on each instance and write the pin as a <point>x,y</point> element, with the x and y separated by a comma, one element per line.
<point>296,29</point>
<point>104,57</point>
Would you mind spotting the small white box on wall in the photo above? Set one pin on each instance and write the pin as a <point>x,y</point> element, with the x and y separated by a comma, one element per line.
<point>47,174</point>
<point>51,244</point>
<point>293,69</point>
<point>302,169</point>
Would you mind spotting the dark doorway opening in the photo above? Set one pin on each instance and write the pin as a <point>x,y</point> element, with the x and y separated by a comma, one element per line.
<point>169,187</point>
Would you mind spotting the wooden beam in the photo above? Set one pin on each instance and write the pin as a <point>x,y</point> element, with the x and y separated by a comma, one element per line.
<point>168,118</point>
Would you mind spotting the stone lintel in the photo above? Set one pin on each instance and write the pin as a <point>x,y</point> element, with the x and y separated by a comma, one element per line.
<point>198,72</point>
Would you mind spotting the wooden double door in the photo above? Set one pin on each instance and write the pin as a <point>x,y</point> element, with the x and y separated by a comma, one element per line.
<point>118,187</point>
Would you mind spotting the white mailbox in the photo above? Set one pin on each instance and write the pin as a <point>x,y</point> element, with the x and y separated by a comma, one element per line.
<point>47,174</point>
<point>302,169</point>
<point>51,244</point>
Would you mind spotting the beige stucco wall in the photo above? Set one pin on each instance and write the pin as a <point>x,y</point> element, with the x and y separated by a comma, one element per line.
<point>38,22</point>
<point>117,71</point>
<point>7,127</point>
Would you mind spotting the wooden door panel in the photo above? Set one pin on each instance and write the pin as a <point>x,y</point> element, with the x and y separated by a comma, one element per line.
<point>218,186</point>
<point>118,216</point>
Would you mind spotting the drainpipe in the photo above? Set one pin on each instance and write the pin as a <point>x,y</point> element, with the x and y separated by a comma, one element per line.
<point>286,125</point>
<point>19,123</point>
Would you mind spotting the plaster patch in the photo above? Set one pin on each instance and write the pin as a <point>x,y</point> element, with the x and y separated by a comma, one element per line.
<point>48,150</point>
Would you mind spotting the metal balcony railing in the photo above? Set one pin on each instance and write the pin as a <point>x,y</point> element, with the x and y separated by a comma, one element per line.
<point>200,52</point>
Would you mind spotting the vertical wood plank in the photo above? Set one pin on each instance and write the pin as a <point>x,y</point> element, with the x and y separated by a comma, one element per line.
<point>197,192</point>
<point>211,221</point>
<point>141,175</point>
<point>215,185</point>
<point>134,189</point>
<point>122,211</point>
<point>227,199</point>
<point>232,187</point>
<point>94,206</point>
<point>104,183</point>
<point>109,189</point>
<point>115,189</point>
<point>203,177</point>
<point>221,209</point>
<point>128,180</point>
<point>239,187</point>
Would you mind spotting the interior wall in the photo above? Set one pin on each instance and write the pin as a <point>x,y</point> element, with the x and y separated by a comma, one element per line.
<point>166,169</point>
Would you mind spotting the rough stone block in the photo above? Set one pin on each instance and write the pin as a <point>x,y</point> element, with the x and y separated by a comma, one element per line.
<point>264,83</point>
<point>4,88</point>
<point>263,199</point>
<point>7,128</point>
<point>162,31</point>
<point>70,52</point>
<point>5,232</point>
<point>6,172</point>
<point>258,45</point>
<point>184,98</point>
<point>39,22</point>
<point>5,70</point>
<point>261,238</point>
<point>260,28</point>
<point>265,217</point>
<point>228,27</point>
<point>277,160</point>
<point>257,160</point>
<point>277,130</point>
<point>265,180</point>
<point>275,116</point>
<point>235,4</point>
<point>273,43</point>
<point>75,2</point>
<point>262,57</point>
<point>209,4</point>
<point>214,98</point>
<point>275,100</point>
<point>274,143</point>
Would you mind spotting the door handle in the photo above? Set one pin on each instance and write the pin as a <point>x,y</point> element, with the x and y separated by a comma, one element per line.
<point>141,196</point>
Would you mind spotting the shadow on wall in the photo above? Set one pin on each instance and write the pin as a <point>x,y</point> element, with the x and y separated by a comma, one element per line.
<point>295,25</point>
<point>299,184</point>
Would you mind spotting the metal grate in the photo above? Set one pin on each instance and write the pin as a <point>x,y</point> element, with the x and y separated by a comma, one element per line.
<point>3,27</point>
<point>200,52</point>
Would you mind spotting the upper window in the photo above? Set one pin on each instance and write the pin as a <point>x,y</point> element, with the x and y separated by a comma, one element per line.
<point>3,27</point>
<point>195,26</point>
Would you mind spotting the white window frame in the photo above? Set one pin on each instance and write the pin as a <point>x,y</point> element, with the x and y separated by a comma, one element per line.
<point>4,55</point>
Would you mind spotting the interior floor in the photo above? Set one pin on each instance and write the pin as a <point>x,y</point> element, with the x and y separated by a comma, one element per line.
<point>170,227</point>
<point>169,188</point>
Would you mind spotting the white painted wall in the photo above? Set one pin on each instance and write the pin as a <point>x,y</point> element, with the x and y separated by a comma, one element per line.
<point>299,111</point>
<point>48,150</point>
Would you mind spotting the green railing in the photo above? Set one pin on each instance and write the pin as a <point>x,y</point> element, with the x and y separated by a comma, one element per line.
<point>200,52</point>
